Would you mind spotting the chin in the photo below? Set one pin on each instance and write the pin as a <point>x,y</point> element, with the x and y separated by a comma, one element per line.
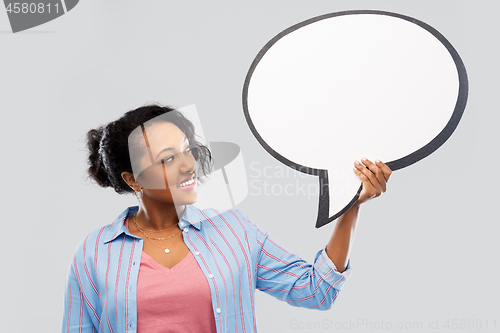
<point>186,201</point>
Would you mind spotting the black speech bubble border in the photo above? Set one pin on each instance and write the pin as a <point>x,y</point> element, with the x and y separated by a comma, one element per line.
<point>429,148</point>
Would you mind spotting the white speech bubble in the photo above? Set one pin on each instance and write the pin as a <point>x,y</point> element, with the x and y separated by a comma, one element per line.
<point>338,87</point>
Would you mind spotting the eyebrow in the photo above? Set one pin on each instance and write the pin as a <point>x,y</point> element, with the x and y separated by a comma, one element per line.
<point>167,149</point>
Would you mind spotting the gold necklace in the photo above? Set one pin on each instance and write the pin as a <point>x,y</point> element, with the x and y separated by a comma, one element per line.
<point>155,238</point>
<point>152,229</point>
<point>166,249</point>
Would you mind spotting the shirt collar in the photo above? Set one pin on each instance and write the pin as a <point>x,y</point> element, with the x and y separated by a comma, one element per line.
<point>191,216</point>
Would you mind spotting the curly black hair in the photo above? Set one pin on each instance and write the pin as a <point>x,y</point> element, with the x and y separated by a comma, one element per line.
<point>109,152</point>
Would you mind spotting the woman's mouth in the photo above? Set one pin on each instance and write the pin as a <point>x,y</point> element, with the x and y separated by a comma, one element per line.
<point>188,184</point>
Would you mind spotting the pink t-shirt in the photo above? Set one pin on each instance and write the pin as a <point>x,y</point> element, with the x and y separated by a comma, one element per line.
<point>173,299</point>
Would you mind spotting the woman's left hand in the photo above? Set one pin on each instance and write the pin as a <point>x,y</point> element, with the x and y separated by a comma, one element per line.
<point>374,176</point>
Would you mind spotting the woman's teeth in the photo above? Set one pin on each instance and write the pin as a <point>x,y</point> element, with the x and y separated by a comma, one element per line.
<point>186,183</point>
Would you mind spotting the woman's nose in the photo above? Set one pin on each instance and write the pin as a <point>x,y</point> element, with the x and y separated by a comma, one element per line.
<point>188,163</point>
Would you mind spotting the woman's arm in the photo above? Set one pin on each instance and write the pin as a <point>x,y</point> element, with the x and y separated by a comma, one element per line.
<point>293,280</point>
<point>76,317</point>
<point>374,177</point>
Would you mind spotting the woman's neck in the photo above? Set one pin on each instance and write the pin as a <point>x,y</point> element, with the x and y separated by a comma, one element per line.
<point>155,216</point>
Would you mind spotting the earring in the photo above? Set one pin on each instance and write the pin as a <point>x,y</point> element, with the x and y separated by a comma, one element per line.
<point>138,194</point>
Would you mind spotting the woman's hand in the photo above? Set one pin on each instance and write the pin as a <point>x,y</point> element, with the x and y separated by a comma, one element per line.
<point>374,177</point>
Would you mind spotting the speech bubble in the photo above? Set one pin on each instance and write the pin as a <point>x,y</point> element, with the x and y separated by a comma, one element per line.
<point>341,86</point>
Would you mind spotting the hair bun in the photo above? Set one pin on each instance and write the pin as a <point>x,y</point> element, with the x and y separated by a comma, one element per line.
<point>97,170</point>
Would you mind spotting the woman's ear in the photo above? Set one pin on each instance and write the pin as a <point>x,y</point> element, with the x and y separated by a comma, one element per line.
<point>129,179</point>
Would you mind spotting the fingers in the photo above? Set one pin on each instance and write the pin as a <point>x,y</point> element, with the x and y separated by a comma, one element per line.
<point>358,171</point>
<point>373,185</point>
<point>387,172</point>
<point>377,172</point>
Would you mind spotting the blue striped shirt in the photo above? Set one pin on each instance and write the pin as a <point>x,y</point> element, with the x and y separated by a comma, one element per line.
<point>234,253</point>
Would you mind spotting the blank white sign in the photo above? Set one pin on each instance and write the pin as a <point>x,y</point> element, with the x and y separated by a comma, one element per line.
<point>343,86</point>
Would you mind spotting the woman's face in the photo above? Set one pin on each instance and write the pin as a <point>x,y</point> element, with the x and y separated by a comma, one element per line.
<point>169,174</point>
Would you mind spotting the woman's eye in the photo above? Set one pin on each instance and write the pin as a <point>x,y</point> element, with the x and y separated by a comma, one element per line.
<point>168,159</point>
<point>188,150</point>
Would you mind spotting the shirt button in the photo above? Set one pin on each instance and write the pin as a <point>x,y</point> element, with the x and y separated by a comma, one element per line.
<point>185,229</point>
<point>218,310</point>
<point>196,252</point>
<point>211,275</point>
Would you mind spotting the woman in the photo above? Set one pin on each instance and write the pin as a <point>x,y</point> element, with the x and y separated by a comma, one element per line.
<point>166,266</point>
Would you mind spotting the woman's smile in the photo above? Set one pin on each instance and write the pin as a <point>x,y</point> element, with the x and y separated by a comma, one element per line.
<point>189,183</point>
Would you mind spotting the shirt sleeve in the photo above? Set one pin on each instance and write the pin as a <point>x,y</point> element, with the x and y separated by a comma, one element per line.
<point>289,278</point>
<point>76,317</point>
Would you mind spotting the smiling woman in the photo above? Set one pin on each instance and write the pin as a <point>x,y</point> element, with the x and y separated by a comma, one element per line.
<point>167,266</point>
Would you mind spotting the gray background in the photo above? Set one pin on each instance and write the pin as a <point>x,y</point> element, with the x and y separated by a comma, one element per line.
<point>425,251</point>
